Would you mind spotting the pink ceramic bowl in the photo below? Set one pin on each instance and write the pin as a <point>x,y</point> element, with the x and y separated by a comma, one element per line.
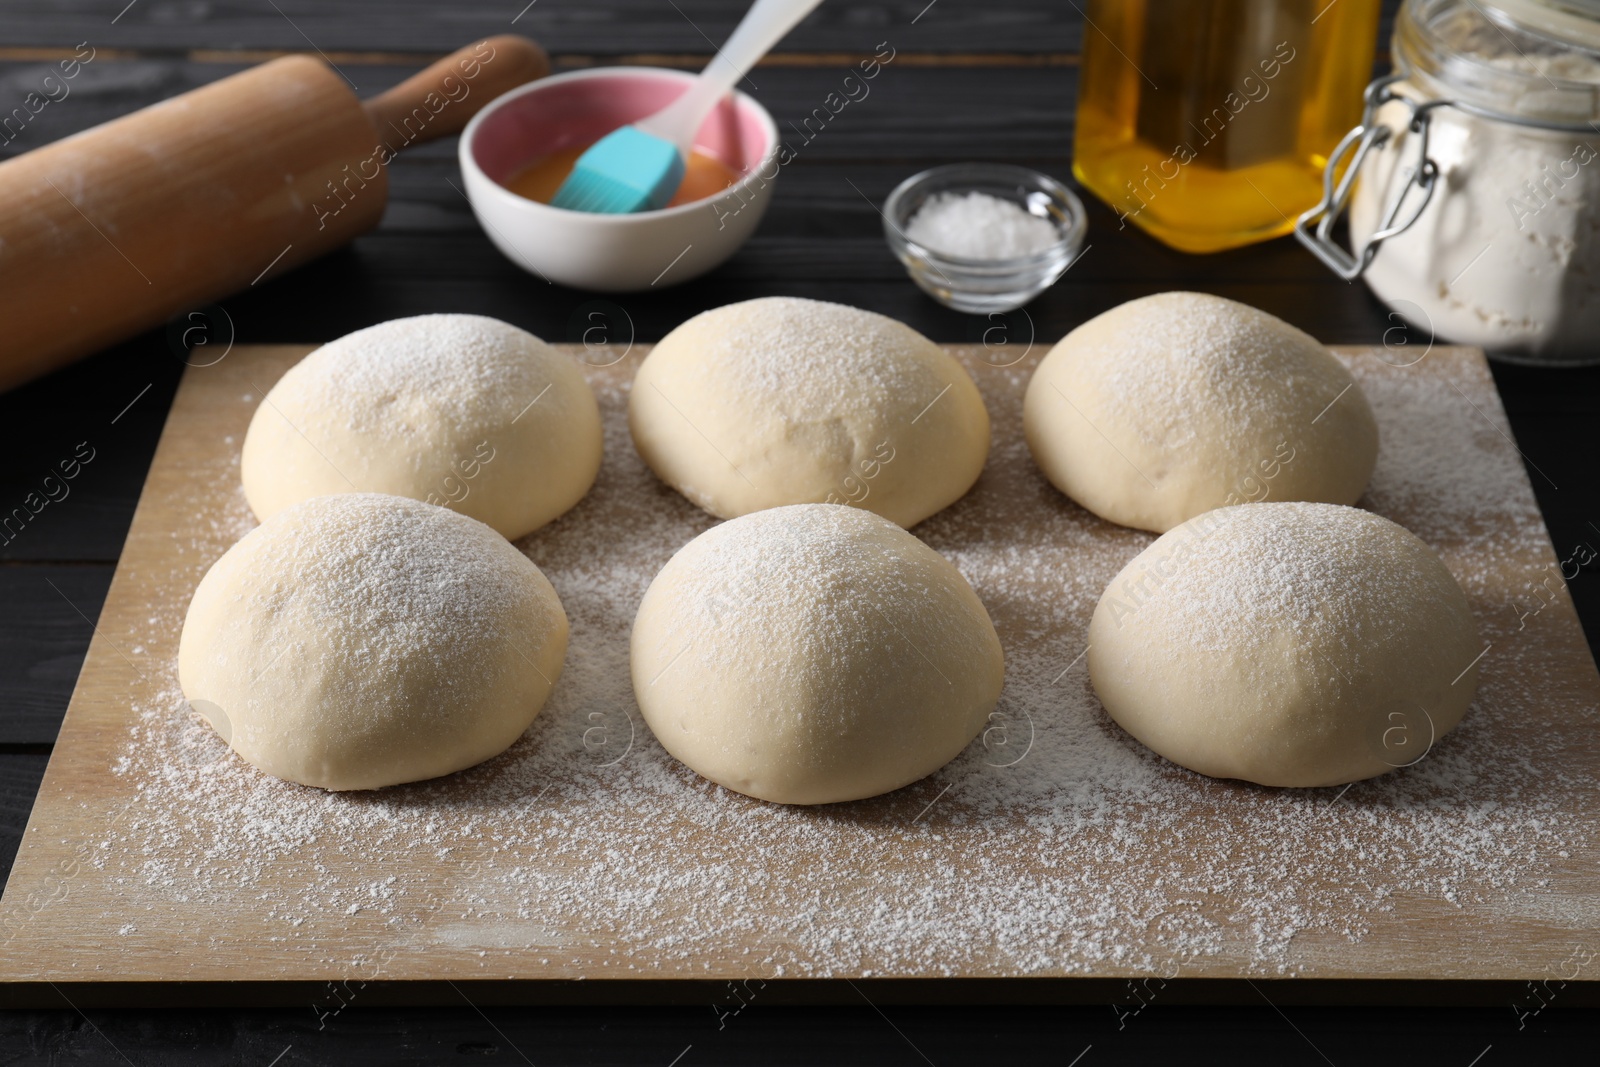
<point>613,253</point>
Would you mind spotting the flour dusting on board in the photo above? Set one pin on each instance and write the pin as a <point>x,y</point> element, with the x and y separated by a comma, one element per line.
<point>1054,844</point>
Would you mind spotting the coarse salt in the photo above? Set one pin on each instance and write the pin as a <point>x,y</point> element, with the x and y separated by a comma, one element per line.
<point>979,226</point>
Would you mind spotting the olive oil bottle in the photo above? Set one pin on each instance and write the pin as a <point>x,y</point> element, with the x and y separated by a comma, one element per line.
<point>1207,123</point>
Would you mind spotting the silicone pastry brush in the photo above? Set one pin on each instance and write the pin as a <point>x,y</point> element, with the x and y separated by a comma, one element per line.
<point>639,167</point>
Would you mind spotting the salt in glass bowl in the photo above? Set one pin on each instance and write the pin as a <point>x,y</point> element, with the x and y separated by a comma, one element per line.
<point>986,286</point>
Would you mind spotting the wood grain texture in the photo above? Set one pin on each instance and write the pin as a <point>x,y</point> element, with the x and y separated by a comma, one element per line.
<point>906,111</point>
<point>822,237</point>
<point>63,914</point>
<point>1553,416</point>
<point>112,406</point>
<point>202,193</point>
<point>618,26</point>
<point>20,774</point>
<point>854,1035</point>
<point>49,617</point>
<point>356,28</point>
<point>851,1035</point>
<point>114,231</point>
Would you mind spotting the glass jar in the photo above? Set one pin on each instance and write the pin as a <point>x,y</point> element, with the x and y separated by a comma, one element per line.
<point>1473,185</point>
<point>1207,123</point>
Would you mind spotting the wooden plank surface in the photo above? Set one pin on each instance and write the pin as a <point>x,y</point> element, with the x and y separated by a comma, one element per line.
<point>822,236</point>
<point>20,774</point>
<point>76,908</point>
<point>351,29</point>
<point>426,258</point>
<point>615,27</point>
<point>860,1035</point>
<point>1027,113</point>
<point>42,660</point>
<point>109,408</point>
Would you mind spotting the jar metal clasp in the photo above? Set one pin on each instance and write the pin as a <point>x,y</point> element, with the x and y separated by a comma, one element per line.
<point>1421,174</point>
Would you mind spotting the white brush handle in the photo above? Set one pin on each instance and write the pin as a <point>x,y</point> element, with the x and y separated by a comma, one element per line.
<point>764,25</point>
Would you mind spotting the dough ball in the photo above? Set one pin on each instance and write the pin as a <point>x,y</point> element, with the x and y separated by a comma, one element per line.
<point>1288,644</point>
<point>463,411</point>
<point>362,640</point>
<point>1174,404</point>
<point>813,653</point>
<point>783,401</point>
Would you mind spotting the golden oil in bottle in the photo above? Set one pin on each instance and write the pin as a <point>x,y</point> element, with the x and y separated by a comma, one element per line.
<point>1207,123</point>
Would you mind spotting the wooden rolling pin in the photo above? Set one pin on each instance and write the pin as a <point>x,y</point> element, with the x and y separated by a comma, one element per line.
<point>120,228</point>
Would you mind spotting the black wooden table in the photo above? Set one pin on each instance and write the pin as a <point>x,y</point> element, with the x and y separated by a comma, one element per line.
<point>971,79</point>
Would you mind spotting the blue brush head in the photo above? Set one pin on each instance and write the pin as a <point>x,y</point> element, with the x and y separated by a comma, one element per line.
<point>625,171</point>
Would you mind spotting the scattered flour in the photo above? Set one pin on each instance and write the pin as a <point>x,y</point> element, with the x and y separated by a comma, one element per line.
<point>1054,845</point>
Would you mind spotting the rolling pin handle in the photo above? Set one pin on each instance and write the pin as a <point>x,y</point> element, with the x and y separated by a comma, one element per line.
<point>440,100</point>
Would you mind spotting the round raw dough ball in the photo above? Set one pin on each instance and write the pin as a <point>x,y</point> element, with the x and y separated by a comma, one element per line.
<point>362,640</point>
<point>1289,644</point>
<point>463,411</point>
<point>1174,404</point>
<point>784,401</point>
<point>813,653</point>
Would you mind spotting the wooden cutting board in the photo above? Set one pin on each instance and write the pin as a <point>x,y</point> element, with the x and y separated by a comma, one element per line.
<point>1054,847</point>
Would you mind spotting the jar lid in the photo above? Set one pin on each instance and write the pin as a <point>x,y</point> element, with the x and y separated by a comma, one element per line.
<point>1534,61</point>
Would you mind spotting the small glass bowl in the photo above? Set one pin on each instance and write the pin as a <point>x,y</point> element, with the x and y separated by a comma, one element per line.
<point>986,286</point>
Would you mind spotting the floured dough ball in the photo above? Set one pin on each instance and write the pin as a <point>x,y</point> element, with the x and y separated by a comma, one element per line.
<point>1289,644</point>
<point>813,653</point>
<point>463,411</point>
<point>363,640</point>
<point>1174,404</point>
<point>784,401</point>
